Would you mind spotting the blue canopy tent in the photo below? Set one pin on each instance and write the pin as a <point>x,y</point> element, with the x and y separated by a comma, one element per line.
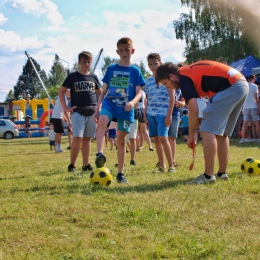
<point>246,65</point>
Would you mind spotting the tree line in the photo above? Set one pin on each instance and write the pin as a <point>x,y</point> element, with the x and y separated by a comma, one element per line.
<point>28,82</point>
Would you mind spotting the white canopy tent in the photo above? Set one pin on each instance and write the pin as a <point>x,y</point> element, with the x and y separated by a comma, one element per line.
<point>255,71</point>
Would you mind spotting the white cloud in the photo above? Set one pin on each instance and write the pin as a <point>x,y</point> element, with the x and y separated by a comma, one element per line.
<point>10,41</point>
<point>57,29</point>
<point>151,31</point>
<point>38,8</point>
<point>2,19</point>
<point>86,25</point>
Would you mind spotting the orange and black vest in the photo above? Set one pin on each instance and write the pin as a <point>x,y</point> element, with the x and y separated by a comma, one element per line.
<point>208,77</point>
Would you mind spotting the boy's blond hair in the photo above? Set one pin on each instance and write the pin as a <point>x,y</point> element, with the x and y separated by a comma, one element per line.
<point>154,55</point>
<point>125,40</point>
<point>86,55</point>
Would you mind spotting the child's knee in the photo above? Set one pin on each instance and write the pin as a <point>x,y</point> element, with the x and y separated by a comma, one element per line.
<point>102,122</point>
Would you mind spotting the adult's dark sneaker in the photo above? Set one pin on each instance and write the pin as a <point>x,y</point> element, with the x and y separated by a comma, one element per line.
<point>121,178</point>
<point>87,168</point>
<point>132,162</point>
<point>100,160</point>
<point>71,168</point>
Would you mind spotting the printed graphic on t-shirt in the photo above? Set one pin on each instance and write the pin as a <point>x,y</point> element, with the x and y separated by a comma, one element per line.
<point>118,91</point>
<point>84,86</point>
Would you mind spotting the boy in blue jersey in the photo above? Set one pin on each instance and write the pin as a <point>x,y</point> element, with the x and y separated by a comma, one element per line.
<point>185,125</point>
<point>121,92</point>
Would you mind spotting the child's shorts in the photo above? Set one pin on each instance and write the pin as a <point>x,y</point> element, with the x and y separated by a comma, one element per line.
<point>122,125</point>
<point>112,133</point>
<point>133,129</point>
<point>173,129</point>
<point>157,126</point>
<point>185,130</point>
<point>140,115</point>
<point>83,126</point>
<point>52,143</point>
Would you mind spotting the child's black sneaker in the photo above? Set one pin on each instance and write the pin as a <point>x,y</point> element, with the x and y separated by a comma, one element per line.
<point>87,168</point>
<point>121,178</point>
<point>71,168</point>
<point>132,162</point>
<point>100,160</point>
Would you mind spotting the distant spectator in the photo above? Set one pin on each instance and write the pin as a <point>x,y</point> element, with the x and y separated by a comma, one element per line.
<point>51,134</point>
<point>57,119</point>
<point>27,125</point>
<point>185,125</point>
<point>251,109</point>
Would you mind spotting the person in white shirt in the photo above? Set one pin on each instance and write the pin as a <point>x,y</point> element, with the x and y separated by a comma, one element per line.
<point>251,109</point>
<point>57,120</point>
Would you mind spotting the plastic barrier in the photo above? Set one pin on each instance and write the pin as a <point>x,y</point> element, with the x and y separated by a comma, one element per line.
<point>42,119</point>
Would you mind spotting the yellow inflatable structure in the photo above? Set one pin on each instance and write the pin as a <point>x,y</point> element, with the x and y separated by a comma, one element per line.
<point>22,103</point>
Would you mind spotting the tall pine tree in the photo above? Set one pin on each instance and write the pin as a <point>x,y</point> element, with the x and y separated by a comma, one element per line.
<point>28,81</point>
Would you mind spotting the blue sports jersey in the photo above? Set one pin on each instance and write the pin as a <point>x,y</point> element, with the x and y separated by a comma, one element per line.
<point>122,82</point>
<point>185,121</point>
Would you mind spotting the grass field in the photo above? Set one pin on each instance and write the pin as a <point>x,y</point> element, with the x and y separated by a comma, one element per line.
<point>48,213</point>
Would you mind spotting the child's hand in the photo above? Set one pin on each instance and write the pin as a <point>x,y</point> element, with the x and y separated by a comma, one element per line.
<point>178,103</point>
<point>96,116</point>
<point>129,106</point>
<point>191,142</point>
<point>168,120</point>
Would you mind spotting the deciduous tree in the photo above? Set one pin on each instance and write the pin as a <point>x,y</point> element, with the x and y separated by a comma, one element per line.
<point>223,30</point>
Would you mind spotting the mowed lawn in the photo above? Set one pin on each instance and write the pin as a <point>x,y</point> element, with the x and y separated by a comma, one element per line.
<point>48,213</point>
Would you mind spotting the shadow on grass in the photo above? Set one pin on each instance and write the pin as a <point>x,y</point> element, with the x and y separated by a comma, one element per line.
<point>13,143</point>
<point>25,153</point>
<point>89,189</point>
<point>141,188</point>
<point>235,142</point>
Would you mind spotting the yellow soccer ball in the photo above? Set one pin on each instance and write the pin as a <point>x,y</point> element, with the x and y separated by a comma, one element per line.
<point>253,168</point>
<point>245,164</point>
<point>101,176</point>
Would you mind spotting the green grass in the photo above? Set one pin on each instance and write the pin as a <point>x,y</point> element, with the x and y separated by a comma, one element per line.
<point>48,213</point>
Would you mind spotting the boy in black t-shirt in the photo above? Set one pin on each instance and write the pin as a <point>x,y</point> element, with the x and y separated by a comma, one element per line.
<point>84,87</point>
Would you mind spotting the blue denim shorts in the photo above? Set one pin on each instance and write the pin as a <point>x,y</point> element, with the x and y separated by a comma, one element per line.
<point>173,130</point>
<point>157,126</point>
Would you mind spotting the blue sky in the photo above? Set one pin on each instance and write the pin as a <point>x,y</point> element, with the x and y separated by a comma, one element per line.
<point>44,28</point>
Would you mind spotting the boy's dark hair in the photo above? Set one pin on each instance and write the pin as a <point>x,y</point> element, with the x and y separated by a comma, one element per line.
<point>154,55</point>
<point>86,55</point>
<point>164,71</point>
<point>185,112</point>
<point>251,77</point>
<point>125,40</point>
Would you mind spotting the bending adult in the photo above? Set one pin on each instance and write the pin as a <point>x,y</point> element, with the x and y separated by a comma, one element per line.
<point>227,89</point>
